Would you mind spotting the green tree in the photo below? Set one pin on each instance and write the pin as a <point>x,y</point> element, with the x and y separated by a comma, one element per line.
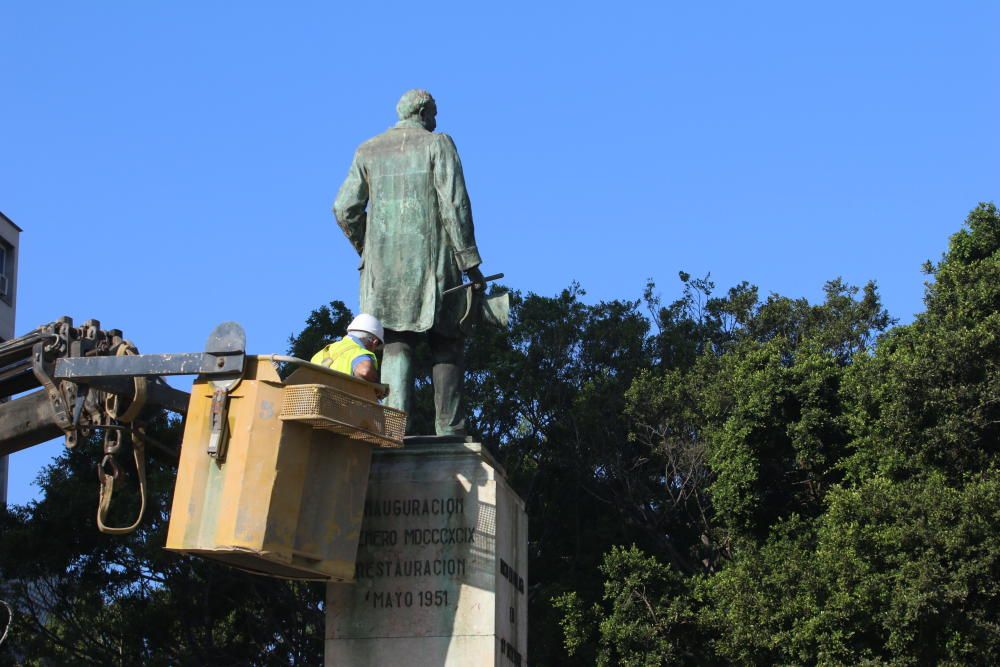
<point>929,397</point>
<point>650,617</point>
<point>323,326</point>
<point>851,490</point>
<point>738,424</point>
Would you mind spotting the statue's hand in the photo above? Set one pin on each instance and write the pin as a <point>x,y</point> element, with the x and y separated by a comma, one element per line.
<point>476,277</point>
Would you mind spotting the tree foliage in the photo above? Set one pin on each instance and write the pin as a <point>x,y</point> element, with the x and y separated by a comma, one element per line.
<point>721,479</point>
<point>841,478</point>
<point>323,326</point>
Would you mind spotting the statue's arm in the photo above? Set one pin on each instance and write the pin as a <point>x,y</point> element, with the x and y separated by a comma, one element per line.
<point>454,204</point>
<point>349,207</point>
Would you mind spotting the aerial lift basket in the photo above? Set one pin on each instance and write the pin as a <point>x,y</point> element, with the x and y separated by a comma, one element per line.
<point>336,410</point>
<point>273,473</point>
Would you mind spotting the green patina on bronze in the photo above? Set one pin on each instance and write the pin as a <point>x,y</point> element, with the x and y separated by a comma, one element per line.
<point>405,209</point>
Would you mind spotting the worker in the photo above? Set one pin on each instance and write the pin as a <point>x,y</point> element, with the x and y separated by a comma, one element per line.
<point>354,354</point>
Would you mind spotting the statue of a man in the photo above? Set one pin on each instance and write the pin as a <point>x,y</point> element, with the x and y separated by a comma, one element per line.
<point>405,210</point>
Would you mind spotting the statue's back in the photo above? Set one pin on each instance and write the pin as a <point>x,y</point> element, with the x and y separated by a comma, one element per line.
<point>399,164</point>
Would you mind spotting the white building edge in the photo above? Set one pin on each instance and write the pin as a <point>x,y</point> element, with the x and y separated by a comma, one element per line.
<point>9,238</point>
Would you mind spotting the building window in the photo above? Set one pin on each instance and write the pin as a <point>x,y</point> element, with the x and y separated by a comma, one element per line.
<point>6,271</point>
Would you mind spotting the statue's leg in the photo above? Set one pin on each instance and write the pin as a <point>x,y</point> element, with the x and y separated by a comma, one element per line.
<point>397,368</point>
<point>449,376</point>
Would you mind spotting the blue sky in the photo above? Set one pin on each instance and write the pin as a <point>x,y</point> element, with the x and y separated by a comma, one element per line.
<point>173,164</point>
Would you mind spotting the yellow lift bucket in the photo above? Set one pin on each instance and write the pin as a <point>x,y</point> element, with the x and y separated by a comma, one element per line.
<point>273,474</point>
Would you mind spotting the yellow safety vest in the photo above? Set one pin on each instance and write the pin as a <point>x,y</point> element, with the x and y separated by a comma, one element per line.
<point>340,356</point>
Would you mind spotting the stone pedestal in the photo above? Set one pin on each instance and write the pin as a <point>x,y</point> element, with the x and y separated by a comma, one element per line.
<point>442,567</point>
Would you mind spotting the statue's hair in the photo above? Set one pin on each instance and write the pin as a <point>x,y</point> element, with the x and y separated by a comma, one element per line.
<point>412,102</point>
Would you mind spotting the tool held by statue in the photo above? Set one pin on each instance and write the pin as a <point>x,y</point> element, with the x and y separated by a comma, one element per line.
<point>495,276</point>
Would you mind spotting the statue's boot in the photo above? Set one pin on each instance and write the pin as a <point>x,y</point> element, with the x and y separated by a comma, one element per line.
<point>449,378</point>
<point>397,369</point>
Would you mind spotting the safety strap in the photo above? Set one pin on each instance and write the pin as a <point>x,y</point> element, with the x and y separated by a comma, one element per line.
<point>138,399</point>
<point>108,486</point>
<point>107,480</point>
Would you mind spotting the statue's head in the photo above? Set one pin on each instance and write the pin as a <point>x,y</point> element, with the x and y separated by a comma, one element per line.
<point>418,105</point>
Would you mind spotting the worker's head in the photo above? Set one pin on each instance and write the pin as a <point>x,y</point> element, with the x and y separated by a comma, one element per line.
<point>367,329</point>
<point>417,104</point>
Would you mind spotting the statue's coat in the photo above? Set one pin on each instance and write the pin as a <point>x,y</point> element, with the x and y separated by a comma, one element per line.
<point>416,236</point>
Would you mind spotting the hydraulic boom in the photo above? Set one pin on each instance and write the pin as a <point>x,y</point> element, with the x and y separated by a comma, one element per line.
<point>90,378</point>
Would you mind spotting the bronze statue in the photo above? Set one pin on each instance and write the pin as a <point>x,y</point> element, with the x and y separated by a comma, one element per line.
<point>405,209</point>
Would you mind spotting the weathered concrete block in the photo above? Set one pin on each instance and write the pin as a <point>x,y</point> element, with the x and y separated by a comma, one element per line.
<point>442,567</point>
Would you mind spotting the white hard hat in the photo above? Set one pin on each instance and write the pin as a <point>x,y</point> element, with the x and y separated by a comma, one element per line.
<point>368,324</point>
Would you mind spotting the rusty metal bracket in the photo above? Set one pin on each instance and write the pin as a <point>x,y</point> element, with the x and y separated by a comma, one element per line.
<point>226,339</point>
<point>42,372</point>
<point>219,437</point>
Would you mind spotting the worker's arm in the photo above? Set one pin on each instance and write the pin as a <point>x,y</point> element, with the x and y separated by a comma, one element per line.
<point>365,370</point>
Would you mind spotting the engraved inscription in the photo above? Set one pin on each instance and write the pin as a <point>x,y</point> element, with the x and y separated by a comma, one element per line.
<point>406,599</point>
<point>438,567</point>
<point>414,507</point>
<point>419,536</point>
<point>420,527</point>
<point>508,651</point>
<point>511,575</point>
